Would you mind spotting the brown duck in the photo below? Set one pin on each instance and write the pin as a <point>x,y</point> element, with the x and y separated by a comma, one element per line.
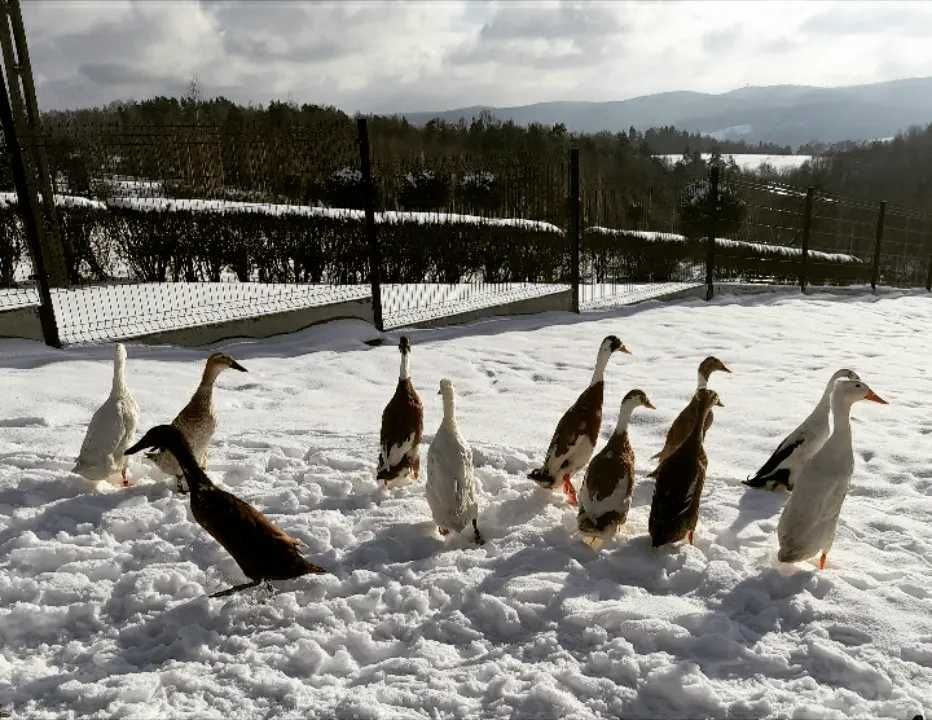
<point>684,422</point>
<point>402,426</point>
<point>605,495</point>
<point>578,430</point>
<point>674,509</point>
<point>263,551</point>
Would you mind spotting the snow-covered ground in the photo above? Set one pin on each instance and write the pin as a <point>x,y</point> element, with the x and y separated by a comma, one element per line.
<point>102,594</point>
<point>752,161</point>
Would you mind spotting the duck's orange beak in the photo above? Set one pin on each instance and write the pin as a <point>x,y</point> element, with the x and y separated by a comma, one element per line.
<point>874,397</point>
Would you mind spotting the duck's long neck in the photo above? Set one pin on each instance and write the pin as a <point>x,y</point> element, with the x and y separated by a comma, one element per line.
<point>119,377</point>
<point>841,426</point>
<point>601,361</point>
<point>624,417</point>
<point>703,381</point>
<point>196,477</point>
<point>206,388</point>
<point>449,409</point>
<point>403,372</point>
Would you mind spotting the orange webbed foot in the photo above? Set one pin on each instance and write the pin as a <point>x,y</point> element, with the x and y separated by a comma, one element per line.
<point>570,491</point>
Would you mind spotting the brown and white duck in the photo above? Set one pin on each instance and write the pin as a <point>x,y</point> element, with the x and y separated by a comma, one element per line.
<point>263,551</point>
<point>605,495</point>
<point>683,423</point>
<point>674,509</point>
<point>402,426</point>
<point>197,420</point>
<point>578,430</point>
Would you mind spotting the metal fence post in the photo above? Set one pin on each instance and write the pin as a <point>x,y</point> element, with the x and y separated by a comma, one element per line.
<point>28,201</point>
<point>875,272</point>
<point>929,274</point>
<point>710,244</point>
<point>807,229</point>
<point>375,255</point>
<point>573,224</point>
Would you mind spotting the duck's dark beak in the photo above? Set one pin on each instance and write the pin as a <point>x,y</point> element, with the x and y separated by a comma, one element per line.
<point>649,404</point>
<point>725,369</point>
<point>719,403</point>
<point>141,445</point>
<point>236,366</point>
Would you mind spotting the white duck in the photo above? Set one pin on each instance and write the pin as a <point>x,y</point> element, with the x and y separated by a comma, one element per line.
<point>801,444</point>
<point>810,517</point>
<point>578,430</point>
<point>197,420</point>
<point>111,429</point>
<point>451,487</point>
<point>605,495</point>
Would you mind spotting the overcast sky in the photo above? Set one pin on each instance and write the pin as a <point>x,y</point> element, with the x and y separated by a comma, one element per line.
<point>381,57</point>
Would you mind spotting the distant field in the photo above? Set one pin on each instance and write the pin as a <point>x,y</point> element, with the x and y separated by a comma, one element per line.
<point>752,161</point>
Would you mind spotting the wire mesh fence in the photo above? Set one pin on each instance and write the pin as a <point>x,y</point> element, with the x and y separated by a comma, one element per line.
<point>165,227</point>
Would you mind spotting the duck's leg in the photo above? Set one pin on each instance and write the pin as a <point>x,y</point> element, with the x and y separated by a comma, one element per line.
<point>182,486</point>
<point>690,536</point>
<point>823,558</point>
<point>123,475</point>
<point>569,491</point>
<point>475,527</point>
<point>235,589</point>
<point>443,531</point>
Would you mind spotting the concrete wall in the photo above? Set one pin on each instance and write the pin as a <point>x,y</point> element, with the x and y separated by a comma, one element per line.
<point>263,326</point>
<point>559,301</point>
<point>22,322</point>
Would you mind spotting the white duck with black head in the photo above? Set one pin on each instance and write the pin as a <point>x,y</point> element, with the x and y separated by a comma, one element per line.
<point>111,429</point>
<point>451,483</point>
<point>577,432</point>
<point>197,421</point>
<point>402,427</point>
<point>810,517</point>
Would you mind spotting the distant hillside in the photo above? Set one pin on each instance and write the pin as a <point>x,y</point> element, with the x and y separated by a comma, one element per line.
<point>784,114</point>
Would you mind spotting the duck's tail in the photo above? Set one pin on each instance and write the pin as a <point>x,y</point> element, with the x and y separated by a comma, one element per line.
<point>770,481</point>
<point>542,477</point>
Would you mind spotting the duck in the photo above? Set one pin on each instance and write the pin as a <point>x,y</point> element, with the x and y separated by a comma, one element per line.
<point>575,438</point>
<point>451,485</point>
<point>809,518</point>
<point>263,551</point>
<point>605,495</point>
<point>111,429</point>
<point>800,445</point>
<point>674,509</point>
<point>683,423</point>
<point>402,427</point>
<point>197,420</point>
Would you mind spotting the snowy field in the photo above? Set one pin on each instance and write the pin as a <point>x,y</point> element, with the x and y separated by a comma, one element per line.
<point>102,594</point>
<point>752,161</point>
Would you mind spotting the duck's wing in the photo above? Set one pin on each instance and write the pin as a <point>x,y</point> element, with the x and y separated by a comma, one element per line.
<point>402,427</point>
<point>679,430</point>
<point>582,421</point>
<point>776,469</point>
<point>104,434</point>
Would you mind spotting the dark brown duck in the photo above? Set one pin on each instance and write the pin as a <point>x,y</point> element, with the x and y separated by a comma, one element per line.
<point>263,551</point>
<point>402,426</point>
<point>674,509</point>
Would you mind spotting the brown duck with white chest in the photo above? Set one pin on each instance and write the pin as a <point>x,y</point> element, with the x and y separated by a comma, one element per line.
<point>263,551</point>
<point>578,430</point>
<point>674,509</point>
<point>683,423</point>
<point>402,427</point>
<point>605,495</point>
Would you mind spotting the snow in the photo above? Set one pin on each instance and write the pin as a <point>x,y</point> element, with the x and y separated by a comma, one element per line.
<point>102,593</point>
<point>750,161</point>
<point>10,199</point>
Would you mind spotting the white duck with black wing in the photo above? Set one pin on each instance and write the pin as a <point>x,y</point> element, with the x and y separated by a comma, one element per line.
<point>111,429</point>
<point>451,484</point>
<point>810,517</point>
<point>801,444</point>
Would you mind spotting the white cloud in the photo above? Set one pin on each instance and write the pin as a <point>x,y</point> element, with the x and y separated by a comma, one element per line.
<point>386,56</point>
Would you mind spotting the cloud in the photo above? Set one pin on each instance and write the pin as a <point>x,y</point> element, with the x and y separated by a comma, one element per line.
<point>391,56</point>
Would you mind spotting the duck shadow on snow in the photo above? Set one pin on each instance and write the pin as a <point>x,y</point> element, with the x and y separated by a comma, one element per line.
<point>755,505</point>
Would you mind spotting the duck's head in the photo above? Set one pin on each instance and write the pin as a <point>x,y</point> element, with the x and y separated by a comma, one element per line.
<point>404,345</point>
<point>710,365</point>
<point>844,374</point>
<point>612,344</point>
<point>221,361</point>
<point>637,398</point>
<point>446,387</point>
<point>708,399</point>
<point>160,437</point>
<point>852,391</point>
